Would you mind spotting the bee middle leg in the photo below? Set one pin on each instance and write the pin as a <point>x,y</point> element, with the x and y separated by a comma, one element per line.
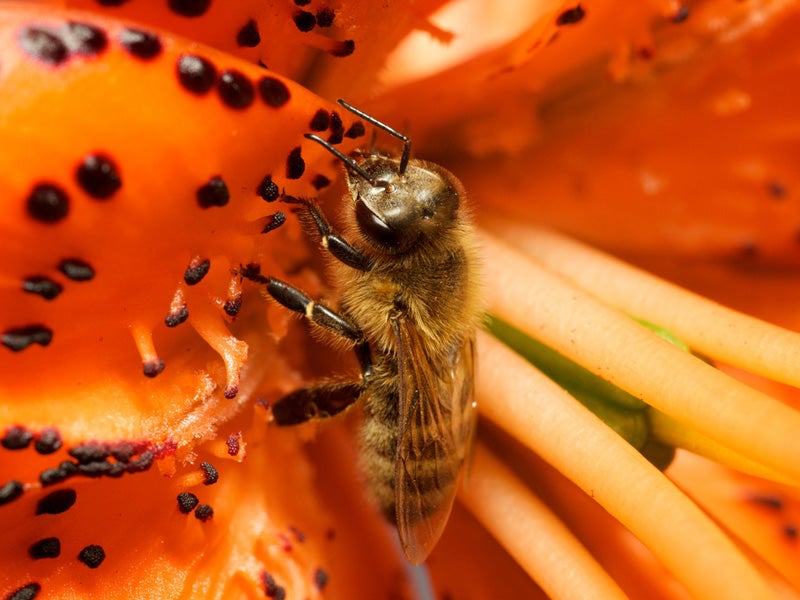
<point>315,402</point>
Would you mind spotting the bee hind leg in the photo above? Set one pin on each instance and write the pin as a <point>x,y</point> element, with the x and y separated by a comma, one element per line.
<point>315,402</point>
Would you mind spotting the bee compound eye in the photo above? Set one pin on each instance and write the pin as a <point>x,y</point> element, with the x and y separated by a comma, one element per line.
<point>377,229</point>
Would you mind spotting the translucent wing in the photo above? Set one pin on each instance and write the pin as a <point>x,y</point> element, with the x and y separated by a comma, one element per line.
<point>437,422</point>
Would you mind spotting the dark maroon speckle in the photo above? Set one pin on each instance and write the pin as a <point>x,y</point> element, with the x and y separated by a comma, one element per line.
<point>45,548</point>
<point>176,318</point>
<point>141,464</point>
<point>85,39</point>
<point>89,452</point>
<point>48,441</point>
<point>230,392</point>
<point>213,193</point>
<point>10,491</point>
<point>26,592</point>
<point>681,15</point>
<point>248,36</point>
<point>189,8</point>
<point>141,44</point>
<point>233,444</point>
<point>187,502</point>
<point>233,306</point>
<point>63,471</point>
<point>776,189</point>
<point>304,20</point>
<point>302,2</point>
<point>342,49</point>
<point>98,176</point>
<point>320,578</point>
<point>268,189</point>
<point>111,2</point>
<point>196,270</point>
<point>203,512</point>
<point>356,130</point>
<point>272,589</point>
<point>56,502</point>
<point>20,338</point>
<point>295,165</point>
<point>196,74</point>
<point>273,91</point>
<point>571,16</point>
<point>325,17</point>
<point>320,120</point>
<point>16,438</point>
<point>235,89</point>
<point>210,473</point>
<point>272,222</point>
<point>320,181</point>
<point>790,531</point>
<point>122,451</point>
<point>92,556</point>
<point>42,286</point>
<point>47,203</point>
<point>76,269</point>
<point>43,44</point>
<point>152,368</point>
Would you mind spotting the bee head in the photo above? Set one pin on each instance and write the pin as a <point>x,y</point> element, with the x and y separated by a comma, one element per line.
<point>397,208</point>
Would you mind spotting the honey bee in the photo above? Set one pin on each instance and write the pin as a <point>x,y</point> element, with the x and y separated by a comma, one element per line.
<point>409,305</point>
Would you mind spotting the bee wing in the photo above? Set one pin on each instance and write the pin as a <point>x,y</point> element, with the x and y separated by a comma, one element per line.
<point>437,423</point>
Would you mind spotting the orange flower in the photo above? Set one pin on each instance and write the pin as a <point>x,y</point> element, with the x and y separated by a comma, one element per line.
<point>139,364</point>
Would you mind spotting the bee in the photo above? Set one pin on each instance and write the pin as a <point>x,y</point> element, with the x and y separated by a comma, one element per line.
<point>409,305</point>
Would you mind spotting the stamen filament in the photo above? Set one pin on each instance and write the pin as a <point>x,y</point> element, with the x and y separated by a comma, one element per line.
<point>614,347</point>
<point>543,417</point>
<point>532,534</point>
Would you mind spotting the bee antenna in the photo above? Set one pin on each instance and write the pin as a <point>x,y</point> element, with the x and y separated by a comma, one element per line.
<point>393,132</point>
<point>346,160</point>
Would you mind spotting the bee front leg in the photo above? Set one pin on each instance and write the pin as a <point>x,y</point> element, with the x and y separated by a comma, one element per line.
<point>315,402</point>
<point>330,239</point>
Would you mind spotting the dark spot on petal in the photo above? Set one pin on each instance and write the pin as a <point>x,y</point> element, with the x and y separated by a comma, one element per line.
<point>10,491</point>
<point>176,318</point>
<point>196,270</point>
<point>268,189</point>
<point>304,20</point>
<point>768,501</point>
<point>320,181</point>
<point>325,17</point>
<point>42,286</point>
<point>210,473</point>
<point>111,2</point>
<point>790,531</point>
<point>20,338</point>
<point>76,269</point>
<point>204,512</point>
<point>337,129</point>
<point>235,89</point>
<point>143,463</point>
<point>89,452</point>
<point>320,578</point>
<point>63,471</point>
<point>272,222</point>
<point>141,44</point>
<point>233,444</point>
<point>302,2</point>
<point>273,91</point>
<point>98,176</point>
<point>26,592</point>
<point>571,16</point>
<point>230,392</point>
<point>248,36</point>
<point>43,44</point>
<point>777,190</point>
<point>48,203</point>
<point>189,8</point>
<point>92,556</point>
<point>295,165</point>
<point>681,15</point>
<point>342,49</point>
<point>272,589</point>
<point>196,74</point>
<point>85,39</point>
<point>152,368</point>
<point>16,438</point>
<point>49,547</point>
<point>356,130</point>
<point>213,193</point>
<point>320,121</point>
<point>48,441</point>
<point>56,502</point>
<point>122,451</point>
<point>187,502</point>
<point>233,306</point>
